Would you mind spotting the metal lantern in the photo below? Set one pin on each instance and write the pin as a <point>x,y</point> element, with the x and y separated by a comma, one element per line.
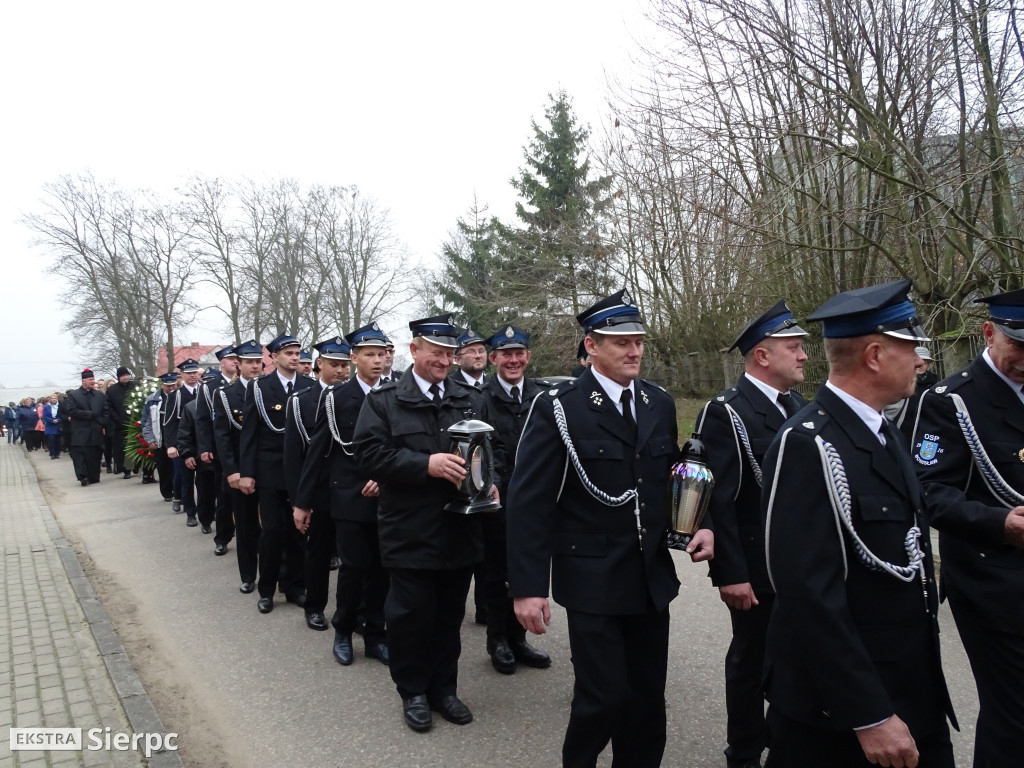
<point>690,484</point>
<point>471,439</point>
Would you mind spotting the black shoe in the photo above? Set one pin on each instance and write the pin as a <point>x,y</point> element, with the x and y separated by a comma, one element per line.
<point>530,656</point>
<point>176,506</point>
<point>207,529</point>
<point>85,481</point>
<point>265,604</point>
<point>743,763</point>
<point>452,710</point>
<point>335,563</point>
<point>168,498</point>
<point>417,713</point>
<point>110,471</point>
<point>379,651</point>
<point>299,599</point>
<point>191,522</point>
<point>317,621</point>
<point>246,587</point>
<point>220,549</point>
<point>502,658</point>
<point>146,480</point>
<point>343,652</point>
<point>128,475</point>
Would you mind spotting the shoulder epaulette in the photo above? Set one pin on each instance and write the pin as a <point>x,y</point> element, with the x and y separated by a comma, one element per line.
<point>726,395</point>
<point>814,423</point>
<point>950,383</point>
<point>557,388</point>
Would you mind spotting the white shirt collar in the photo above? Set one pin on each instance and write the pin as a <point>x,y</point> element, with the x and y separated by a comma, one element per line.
<point>471,381</point>
<point>285,382</point>
<point>1009,382</point>
<point>872,418</point>
<point>614,389</point>
<point>769,391</point>
<point>425,385</point>
<point>508,387</point>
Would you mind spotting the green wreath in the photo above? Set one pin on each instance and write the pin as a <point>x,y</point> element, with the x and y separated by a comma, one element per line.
<point>137,452</point>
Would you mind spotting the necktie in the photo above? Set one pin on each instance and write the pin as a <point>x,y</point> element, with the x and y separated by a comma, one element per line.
<point>788,403</point>
<point>627,414</point>
<point>435,393</point>
<point>289,388</point>
<point>515,392</point>
<point>476,385</point>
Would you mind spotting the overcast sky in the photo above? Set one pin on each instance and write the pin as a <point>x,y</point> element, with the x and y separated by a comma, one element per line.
<point>419,104</point>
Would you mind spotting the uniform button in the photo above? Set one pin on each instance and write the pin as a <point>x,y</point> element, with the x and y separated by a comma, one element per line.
<point>885,509</point>
<point>639,481</point>
<point>981,554</point>
<point>643,507</point>
<point>600,450</point>
<point>637,457</point>
<point>572,547</point>
<point>643,531</point>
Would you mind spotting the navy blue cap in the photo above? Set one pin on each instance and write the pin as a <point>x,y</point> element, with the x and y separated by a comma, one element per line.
<point>305,356</point>
<point>614,315</point>
<point>188,365</point>
<point>510,338</point>
<point>467,338</point>
<point>439,330</point>
<point>369,335</point>
<point>1007,311</point>
<point>249,350</point>
<point>211,376</point>
<point>777,321</point>
<point>228,351</point>
<point>334,348</point>
<point>884,308</point>
<point>168,378</point>
<point>282,341</point>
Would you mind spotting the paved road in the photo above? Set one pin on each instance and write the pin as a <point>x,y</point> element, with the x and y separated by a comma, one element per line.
<point>245,689</point>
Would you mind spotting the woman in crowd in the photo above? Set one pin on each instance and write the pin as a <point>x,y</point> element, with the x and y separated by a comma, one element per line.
<point>51,423</point>
<point>28,417</point>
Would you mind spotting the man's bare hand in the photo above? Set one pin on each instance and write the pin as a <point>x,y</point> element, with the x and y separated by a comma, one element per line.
<point>190,462</point>
<point>371,489</point>
<point>233,480</point>
<point>447,466</point>
<point>889,744</point>
<point>739,597</point>
<point>172,453</point>
<point>206,457</point>
<point>1013,528</point>
<point>301,518</point>
<point>533,613</point>
<point>247,485</point>
<point>702,547</point>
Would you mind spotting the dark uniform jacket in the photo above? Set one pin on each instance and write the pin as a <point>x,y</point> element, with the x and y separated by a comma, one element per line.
<point>330,478</point>
<point>187,443</point>
<point>300,417</point>
<point>397,430</point>
<point>174,409</point>
<point>735,507</point>
<point>117,393</point>
<point>206,398</point>
<point>229,408</point>
<point>593,551</point>
<point>89,415</point>
<point>261,448</point>
<point>975,560</point>
<point>509,418</point>
<point>848,646</point>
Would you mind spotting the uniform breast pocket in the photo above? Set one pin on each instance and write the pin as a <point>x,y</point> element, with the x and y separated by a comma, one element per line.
<point>599,449</point>
<point>412,434</point>
<point>881,508</point>
<point>579,544</point>
<point>662,445</point>
<point>1008,459</point>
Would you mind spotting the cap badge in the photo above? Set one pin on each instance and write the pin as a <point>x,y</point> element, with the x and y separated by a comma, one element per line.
<point>625,298</point>
<point>337,340</point>
<point>374,326</point>
<point>509,333</point>
<point>595,398</point>
<point>451,319</point>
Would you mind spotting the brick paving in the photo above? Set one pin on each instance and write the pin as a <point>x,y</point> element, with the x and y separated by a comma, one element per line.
<point>62,664</point>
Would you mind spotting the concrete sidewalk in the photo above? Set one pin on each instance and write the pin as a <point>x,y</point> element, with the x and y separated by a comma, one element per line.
<point>64,665</point>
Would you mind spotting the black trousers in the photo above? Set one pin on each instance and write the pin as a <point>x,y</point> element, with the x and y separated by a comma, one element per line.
<point>117,445</point>
<point>362,580</point>
<point>165,472</point>
<point>206,495</point>
<point>247,533</point>
<point>53,442</point>
<point>997,660</point>
<point>620,665</point>
<point>744,689</point>
<point>424,611</point>
<point>224,530</point>
<point>86,459</point>
<point>279,536</point>
<point>319,545</point>
<point>795,745</point>
<point>185,485</point>
<point>501,616</point>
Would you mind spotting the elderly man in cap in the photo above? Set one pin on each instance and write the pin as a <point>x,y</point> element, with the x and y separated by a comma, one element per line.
<point>588,509</point>
<point>471,358</point>
<point>117,393</point>
<point>333,490</point>
<point>302,413</point>
<point>401,443</point>
<point>261,458</point>
<point>228,417</point>
<point>852,662</point>
<point>89,414</point>
<point>737,427</point>
<point>969,450</point>
<point>509,395</point>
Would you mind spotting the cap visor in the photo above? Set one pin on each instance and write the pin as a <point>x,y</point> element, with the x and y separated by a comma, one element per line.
<point>793,330</point>
<point>371,343</point>
<point>442,341</point>
<point>908,334</point>
<point>1017,334</point>
<point>622,329</point>
<point>511,345</point>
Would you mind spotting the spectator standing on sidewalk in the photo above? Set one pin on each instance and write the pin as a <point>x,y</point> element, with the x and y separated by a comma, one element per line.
<point>51,424</point>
